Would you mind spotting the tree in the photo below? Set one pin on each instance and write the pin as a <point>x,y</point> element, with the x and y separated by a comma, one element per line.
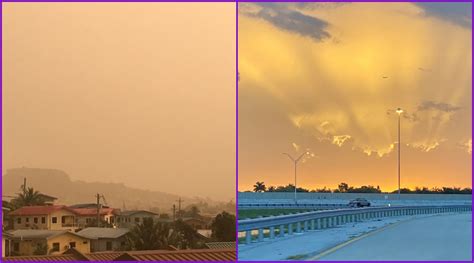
<point>259,187</point>
<point>102,223</point>
<point>29,197</point>
<point>183,236</point>
<point>194,211</point>
<point>164,216</point>
<point>41,249</point>
<point>149,235</point>
<point>343,187</point>
<point>223,227</point>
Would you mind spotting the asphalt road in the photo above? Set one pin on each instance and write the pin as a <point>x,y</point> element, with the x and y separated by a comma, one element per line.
<point>441,237</point>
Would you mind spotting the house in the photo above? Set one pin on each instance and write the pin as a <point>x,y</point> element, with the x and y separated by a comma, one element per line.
<point>48,200</point>
<point>7,222</point>
<point>105,239</point>
<point>86,215</point>
<point>129,219</point>
<point>87,205</point>
<point>27,242</point>
<point>196,223</point>
<point>59,217</point>
<point>52,217</point>
<point>6,244</point>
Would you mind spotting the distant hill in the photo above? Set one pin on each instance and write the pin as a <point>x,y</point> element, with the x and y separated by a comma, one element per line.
<point>57,183</point>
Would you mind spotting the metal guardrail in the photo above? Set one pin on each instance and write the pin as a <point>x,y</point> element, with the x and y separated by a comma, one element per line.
<point>291,206</point>
<point>285,224</point>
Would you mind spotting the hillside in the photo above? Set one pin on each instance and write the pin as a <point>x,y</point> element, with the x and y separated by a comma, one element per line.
<point>57,183</point>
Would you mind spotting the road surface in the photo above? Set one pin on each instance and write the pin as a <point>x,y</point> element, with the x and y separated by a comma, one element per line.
<point>440,237</point>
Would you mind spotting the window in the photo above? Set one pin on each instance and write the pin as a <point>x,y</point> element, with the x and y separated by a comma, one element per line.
<point>16,246</point>
<point>72,244</point>
<point>88,220</point>
<point>63,220</point>
<point>55,245</point>
<point>18,220</point>
<point>27,220</point>
<point>43,220</point>
<point>108,245</point>
<point>137,220</point>
<point>84,242</point>
<point>35,220</point>
<point>54,220</point>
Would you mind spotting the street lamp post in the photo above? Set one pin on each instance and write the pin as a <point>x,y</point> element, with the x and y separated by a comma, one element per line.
<point>295,161</point>
<point>399,111</point>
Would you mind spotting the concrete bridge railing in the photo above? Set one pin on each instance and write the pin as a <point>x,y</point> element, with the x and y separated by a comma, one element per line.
<point>279,226</point>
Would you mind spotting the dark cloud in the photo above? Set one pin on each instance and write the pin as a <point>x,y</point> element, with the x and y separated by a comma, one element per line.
<point>432,105</point>
<point>313,5</point>
<point>280,15</point>
<point>458,13</point>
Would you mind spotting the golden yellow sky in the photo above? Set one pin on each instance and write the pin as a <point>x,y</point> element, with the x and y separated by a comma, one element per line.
<point>326,77</point>
<point>135,93</point>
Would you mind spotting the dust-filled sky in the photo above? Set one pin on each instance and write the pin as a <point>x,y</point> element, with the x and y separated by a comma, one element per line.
<point>136,93</point>
<point>327,78</point>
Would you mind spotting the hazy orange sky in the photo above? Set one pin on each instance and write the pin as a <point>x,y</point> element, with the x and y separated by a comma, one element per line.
<point>327,77</point>
<point>135,93</point>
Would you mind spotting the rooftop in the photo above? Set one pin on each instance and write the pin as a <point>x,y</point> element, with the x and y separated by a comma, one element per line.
<point>39,210</point>
<point>36,233</point>
<point>131,212</point>
<point>221,245</point>
<point>93,211</point>
<point>180,255</point>
<point>148,255</point>
<point>101,232</point>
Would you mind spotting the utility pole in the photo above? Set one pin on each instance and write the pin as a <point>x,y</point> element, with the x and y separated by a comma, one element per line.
<point>399,111</point>
<point>179,206</point>
<point>98,210</point>
<point>24,185</point>
<point>174,212</point>
<point>295,161</point>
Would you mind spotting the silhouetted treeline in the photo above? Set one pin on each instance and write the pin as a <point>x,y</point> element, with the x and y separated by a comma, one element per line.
<point>435,190</point>
<point>345,188</point>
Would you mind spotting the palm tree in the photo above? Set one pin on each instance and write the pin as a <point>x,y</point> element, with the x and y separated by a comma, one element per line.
<point>149,235</point>
<point>29,197</point>
<point>259,187</point>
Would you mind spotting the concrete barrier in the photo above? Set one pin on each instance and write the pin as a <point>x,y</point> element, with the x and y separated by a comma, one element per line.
<point>301,222</point>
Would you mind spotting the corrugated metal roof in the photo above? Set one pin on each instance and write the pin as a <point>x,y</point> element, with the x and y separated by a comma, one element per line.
<point>149,255</point>
<point>39,210</point>
<point>103,256</point>
<point>38,233</point>
<point>43,258</point>
<point>180,255</point>
<point>34,233</point>
<point>220,245</point>
<point>93,211</point>
<point>101,232</point>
